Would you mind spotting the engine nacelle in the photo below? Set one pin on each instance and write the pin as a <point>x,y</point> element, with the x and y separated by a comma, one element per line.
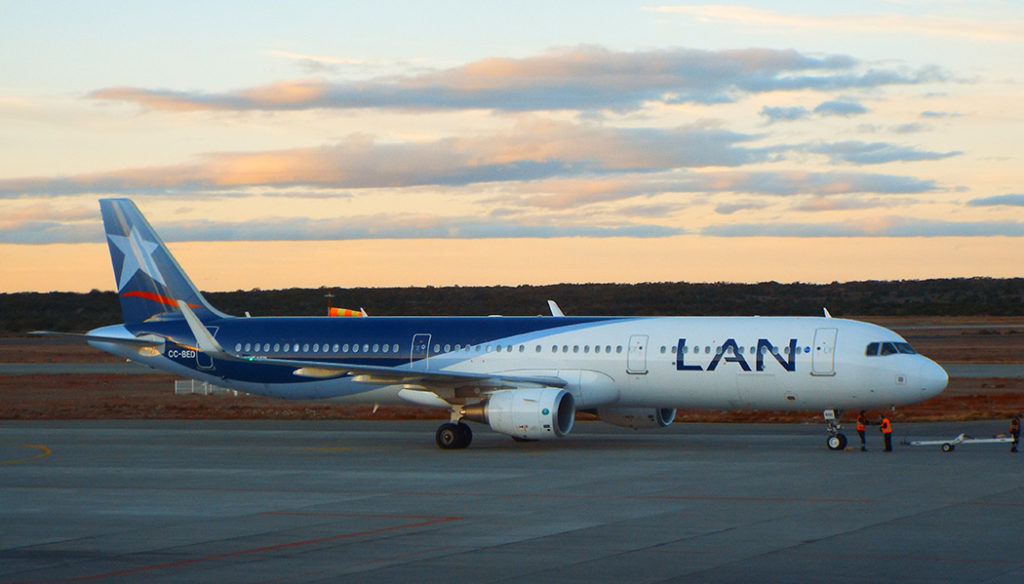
<point>526,414</point>
<point>637,418</point>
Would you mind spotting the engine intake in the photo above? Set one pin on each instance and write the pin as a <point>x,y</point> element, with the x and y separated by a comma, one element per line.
<point>526,414</point>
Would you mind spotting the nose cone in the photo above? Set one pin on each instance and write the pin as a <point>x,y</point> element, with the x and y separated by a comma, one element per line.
<point>933,379</point>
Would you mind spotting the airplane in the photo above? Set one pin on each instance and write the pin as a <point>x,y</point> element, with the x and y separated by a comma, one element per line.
<point>525,377</point>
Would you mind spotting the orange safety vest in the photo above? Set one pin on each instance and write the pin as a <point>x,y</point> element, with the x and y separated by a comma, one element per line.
<point>886,428</point>
<point>862,423</point>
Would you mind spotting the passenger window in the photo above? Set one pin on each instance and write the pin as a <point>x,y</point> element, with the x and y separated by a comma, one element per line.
<point>663,350</point>
<point>238,347</point>
<point>618,348</point>
<point>287,347</point>
<point>277,347</point>
<point>394,348</point>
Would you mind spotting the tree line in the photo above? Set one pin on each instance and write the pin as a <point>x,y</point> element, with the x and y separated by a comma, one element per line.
<point>65,311</point>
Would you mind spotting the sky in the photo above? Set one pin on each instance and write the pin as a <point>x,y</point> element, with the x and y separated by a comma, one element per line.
<point>322,144</point>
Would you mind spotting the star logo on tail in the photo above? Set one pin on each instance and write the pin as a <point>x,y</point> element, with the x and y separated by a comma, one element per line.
<point>138,257</point>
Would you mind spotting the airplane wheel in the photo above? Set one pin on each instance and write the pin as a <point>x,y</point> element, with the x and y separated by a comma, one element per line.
<point>466,434</point>
<point>947,447</point>
<point>453,436</point>
<point>448,436</point>
<point>836,442</point>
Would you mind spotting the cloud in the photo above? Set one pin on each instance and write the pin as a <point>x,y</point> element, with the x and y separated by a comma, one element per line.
<point>533,149</point>
<point>909,128</point>
<point>890,226</point>
<point>840,108</point>
<point>559,194</point>
<point>939,115</point>
<point>730,208</point>
<point>784,114</point>
<point>575,78</point>
<point>1012,200</point>
<point>856,152</point>
<point>383,226</point>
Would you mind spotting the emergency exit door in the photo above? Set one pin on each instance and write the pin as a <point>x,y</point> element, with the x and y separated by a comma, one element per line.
<point>419,354</point>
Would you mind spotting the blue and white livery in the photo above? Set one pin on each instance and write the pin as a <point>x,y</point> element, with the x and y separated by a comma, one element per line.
<point>523,376</point>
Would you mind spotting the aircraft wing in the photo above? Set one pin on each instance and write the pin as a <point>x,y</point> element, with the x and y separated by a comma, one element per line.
<point>372,374</point>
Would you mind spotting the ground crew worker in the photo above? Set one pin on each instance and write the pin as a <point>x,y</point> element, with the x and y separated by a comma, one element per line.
<point>1015,432</point>
<point>862,425</point>
<point>886,427</point>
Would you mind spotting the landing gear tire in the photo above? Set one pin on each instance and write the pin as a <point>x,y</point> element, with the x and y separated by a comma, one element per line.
<point>947,447</point>
<point>836,442</point>
<point>451,436</point>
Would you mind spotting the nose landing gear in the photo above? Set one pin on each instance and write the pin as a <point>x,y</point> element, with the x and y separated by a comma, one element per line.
<point>836,439</point>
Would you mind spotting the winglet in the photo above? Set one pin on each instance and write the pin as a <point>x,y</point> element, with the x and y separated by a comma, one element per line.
<point>555,310</point>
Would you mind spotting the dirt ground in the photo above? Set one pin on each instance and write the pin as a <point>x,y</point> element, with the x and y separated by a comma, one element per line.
<point>966,340</point>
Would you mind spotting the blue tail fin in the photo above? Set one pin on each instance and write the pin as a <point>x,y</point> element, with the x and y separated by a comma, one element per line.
<point>149,280</point>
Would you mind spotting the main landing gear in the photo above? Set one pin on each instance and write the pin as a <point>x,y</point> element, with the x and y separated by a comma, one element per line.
<point>836,439</point>
<point>451,436</point>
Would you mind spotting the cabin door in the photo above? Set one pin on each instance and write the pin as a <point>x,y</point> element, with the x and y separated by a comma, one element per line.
<point>636,357</point>
<point>823,359</point>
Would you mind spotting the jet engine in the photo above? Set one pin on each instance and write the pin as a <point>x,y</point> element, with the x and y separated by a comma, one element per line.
<point>637,418</point>
<point>526,414</point>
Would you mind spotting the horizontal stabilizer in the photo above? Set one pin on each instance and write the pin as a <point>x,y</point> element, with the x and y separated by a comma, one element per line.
<point>85,338</point>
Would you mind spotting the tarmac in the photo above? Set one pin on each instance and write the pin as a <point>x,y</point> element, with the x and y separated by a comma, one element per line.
<point>377,501</point>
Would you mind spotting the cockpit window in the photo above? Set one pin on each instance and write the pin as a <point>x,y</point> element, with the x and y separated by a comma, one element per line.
<point>905,348</point>
<point>888,348</point>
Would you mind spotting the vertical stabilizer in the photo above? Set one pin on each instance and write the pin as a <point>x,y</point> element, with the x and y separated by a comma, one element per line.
<point>149,281</point>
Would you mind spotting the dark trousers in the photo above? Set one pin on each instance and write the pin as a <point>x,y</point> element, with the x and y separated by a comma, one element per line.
<point>888,441</point>
<point>1016,440</point>
<point>863,443</point>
